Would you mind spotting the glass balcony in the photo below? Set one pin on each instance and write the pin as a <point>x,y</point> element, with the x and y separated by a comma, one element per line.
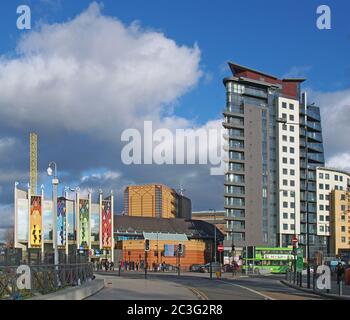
<point>315,136</point>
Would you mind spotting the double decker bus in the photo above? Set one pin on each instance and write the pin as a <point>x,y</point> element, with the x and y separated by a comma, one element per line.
<point>260,260</point>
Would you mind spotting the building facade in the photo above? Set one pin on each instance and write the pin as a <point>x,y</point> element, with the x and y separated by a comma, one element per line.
<point>311,157</point>
<point>262,180</point>
<point>216,218</point>
<point>155,201</point>
<point>329,181</point>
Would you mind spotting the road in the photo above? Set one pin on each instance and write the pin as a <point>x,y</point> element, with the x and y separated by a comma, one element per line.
<point>196,286</point>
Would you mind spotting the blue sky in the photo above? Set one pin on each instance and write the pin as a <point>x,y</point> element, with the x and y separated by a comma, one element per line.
<point>277,37</point>
<point>273,36</point>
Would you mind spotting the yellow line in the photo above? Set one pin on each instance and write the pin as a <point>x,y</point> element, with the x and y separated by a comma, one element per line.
<point>249,289</point>
<point>199,293</point>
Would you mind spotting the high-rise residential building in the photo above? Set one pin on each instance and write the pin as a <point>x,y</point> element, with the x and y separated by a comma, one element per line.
<point>155,201</point>
<point>262,178</point>
<point>311,157</point>
<point>328,181</point>
<point>340,224</point>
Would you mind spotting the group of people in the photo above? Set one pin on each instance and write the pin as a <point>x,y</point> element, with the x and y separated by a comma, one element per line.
<point>104,265</point>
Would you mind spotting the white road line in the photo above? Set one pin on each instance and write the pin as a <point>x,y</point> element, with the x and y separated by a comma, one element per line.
<point>249,289</point>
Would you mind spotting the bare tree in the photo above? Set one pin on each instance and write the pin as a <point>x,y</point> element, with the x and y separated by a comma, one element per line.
<point>10,237</point>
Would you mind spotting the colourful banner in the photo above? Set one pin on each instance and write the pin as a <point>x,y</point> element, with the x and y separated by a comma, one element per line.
<point>106,224</point>
<point>71,220</point>
<point>61,222</point>
<point>35,221</point>
<point>22,220</point>
<point>48,220</point>
<point>95,222</point>
<point>84,223</point>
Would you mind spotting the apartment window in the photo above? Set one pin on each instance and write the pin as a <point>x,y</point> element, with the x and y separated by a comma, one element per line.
<point>327,218</point>
<point>284,105</point>
<point>320,175</point>
<point>285,171</point>
<point>284,127</point>
<point>284,116</point>
<point>284,138</point>
<point>327,208</point>
<point>342,197</point>
<point>285,204</point>
<point>291,117</point>
<point>321,228</point>
<point>285,182</point>
<point>320,186</point>
<point>292,226</point>
<point>321,207</point>
<point>285,226</point>
<point>336,177</point>
<point>327,186</point>
<point>321,218</point>
<point>291,139</point>
<point>292,216</point>
<point>285,160</point>
<point>292,161</point>
<point>284,149</point>
<point>291,128</point>
<point>291,106</point>
<point>292,172</point>
<point>321,197</point>
<point>291,150</point>
<point>342,218</point>
<point>327,176</point>
<point>285,193</point>
<point>341,178</point>
<point>342,207</point>
<point>292,183</point>
<point>327,196</point>
<point>285,215</point>
<point>343,229</point>
<point>343,239</point>
<point>292,205</point>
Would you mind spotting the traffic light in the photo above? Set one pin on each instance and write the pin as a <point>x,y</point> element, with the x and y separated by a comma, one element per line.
<point>180,248</point>
<point>147,246</point>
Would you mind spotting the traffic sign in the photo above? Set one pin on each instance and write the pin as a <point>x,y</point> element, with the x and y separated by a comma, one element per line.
<point>220,248</point>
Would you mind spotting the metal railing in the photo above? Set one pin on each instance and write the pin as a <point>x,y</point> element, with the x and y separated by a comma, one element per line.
<point>44,279</point>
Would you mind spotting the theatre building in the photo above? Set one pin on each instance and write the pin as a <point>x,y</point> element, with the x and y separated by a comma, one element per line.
<point>195,236</point>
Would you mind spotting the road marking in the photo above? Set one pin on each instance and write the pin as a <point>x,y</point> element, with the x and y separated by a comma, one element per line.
<point>249,289</point>
<point>200,294</point>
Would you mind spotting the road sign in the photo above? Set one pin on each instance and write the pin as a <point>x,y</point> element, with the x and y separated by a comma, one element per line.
<point>220,248</point>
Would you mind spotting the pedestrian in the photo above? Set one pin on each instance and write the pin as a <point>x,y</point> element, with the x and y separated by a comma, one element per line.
<point>340,272</point>
<point>112,266</point>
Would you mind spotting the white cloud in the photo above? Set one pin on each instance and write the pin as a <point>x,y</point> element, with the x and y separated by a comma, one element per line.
<point>94,75</point>
<point>107,175</point>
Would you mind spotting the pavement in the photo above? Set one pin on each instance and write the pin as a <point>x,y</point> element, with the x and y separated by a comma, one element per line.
<point>194,286</point>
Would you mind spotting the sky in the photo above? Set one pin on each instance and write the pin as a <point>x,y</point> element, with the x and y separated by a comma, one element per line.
<point>87,70</point>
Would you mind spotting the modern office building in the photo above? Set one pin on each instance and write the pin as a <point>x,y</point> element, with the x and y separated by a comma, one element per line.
<point>155,200</point>
<point>328,205</point>
<point>340,224</point>
<point>266,158</point>
<point>311,157</point>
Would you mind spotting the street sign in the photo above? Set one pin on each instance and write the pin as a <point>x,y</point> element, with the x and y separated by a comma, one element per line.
<point>220,248</point>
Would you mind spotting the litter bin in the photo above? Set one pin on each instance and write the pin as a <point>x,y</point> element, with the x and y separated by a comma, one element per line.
<point>218,274</point>
<point>347,276</point>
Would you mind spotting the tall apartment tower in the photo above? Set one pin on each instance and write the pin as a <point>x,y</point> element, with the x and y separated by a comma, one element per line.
<point>312,156</point>
<point>262,177</point>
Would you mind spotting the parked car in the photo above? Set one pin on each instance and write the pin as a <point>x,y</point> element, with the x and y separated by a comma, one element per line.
<point>196,268</point>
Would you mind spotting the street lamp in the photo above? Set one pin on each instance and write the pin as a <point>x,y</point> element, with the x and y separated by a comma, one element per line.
<point>284,121</point>
<point>52,171</point>
<point>214,214</point>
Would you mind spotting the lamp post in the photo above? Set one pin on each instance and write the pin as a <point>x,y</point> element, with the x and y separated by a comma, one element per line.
<point>284,121</point>
<point>214,214</point>
<point>52,171</point>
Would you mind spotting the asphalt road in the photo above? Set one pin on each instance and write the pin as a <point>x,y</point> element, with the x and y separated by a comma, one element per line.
<point>227,288</point>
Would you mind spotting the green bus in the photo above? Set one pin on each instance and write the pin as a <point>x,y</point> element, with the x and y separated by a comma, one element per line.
<point>260,260</point>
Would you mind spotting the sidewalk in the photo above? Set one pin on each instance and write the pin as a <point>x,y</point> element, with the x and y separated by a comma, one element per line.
<point>119,288</point>
<point>333,292</point>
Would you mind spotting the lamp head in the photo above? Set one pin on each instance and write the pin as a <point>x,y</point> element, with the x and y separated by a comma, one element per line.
<point>49,171</point>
